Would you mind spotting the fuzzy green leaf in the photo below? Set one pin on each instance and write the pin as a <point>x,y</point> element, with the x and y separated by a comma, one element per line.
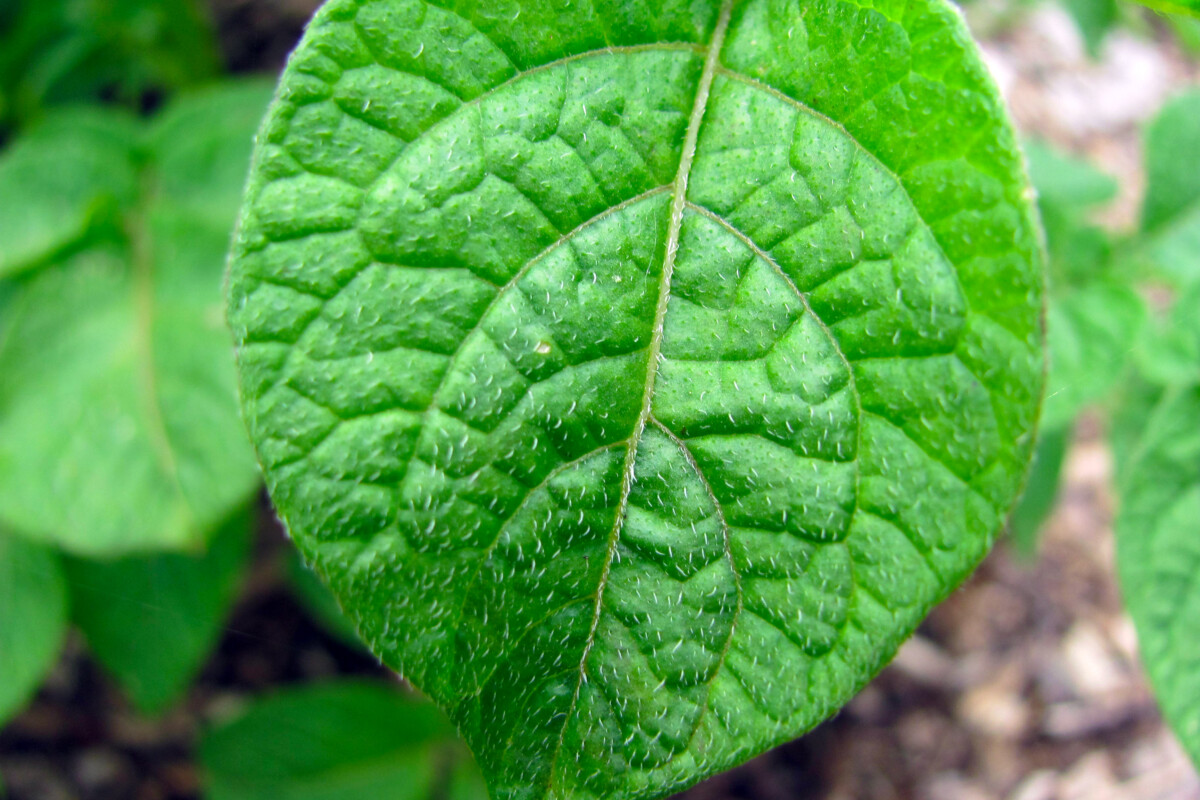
<point>33,618</point>
<point>339,741</point>
<point>151,621</point>
<point>638,374</point>
<point>119,429</point>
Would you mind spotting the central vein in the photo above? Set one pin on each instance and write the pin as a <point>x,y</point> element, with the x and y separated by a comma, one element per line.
<point>675,225</point>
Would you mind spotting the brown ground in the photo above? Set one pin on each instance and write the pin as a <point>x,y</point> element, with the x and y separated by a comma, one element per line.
<point>1024,685</point>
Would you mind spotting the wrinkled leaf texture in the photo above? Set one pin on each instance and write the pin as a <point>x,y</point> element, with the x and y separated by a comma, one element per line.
<point>638,374</point>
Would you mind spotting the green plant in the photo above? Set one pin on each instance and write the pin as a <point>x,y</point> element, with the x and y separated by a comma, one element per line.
<point>120,442</point>
<point>1142,367</point>
<point>638,379</point>
<point>69,51</point>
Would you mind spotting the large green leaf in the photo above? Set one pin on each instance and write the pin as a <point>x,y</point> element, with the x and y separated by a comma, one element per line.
<point>639,374</point>
<point>151,621</point>
<point>339,741</point>
<point>119,429</point>
<point>33,618</point>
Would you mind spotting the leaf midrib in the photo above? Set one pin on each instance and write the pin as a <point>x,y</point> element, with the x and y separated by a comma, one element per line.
<point>654,351</point>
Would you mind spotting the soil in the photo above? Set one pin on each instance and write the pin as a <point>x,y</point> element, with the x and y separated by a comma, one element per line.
<point>1024,685</point>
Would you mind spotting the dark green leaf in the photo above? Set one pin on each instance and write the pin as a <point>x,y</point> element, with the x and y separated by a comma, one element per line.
<point>1041,490</point>
<point>639,374</point>
<point>317,600</point>
<point>151,621</point>
<point>340,741</point>
<point>33,619</point>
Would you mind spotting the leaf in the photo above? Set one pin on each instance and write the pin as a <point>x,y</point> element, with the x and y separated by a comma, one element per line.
<point>70,51</point>
<point>33,619</point>
<point>119,430</point>
<point>152,621</point>
<point>1188,7</point>
<point>1068,190</point>
<point>1067,183</point>
<point>1095,19</point>
<point>1041,491</point>
<point>632,405</point>
<point>56,181</point>
<point>1158,551</point>
<point>338,741</point>
<point>1091,333</point>
<point>1171,210</point>
<point>314,596</point>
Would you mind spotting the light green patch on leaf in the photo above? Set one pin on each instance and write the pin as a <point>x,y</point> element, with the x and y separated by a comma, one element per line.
<point>337,741</point>
<point>1171,210</point>
<point>151,621</point>
<point>119,429</point>
<point>1159,551</point>
<point>33,619</point>
<point>638,374</point>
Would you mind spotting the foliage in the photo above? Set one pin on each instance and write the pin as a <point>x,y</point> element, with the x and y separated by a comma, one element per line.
<point>622,424</point>
<point>338,741</point>
<point>118,389</point>
<point>1104,351</point>
<point>33,618</point>
<point>119,431</point>
<point>602,404</point>
<point>179,602</point>
<point>69,51</point>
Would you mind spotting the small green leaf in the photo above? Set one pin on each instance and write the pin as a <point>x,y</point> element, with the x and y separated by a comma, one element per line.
<point>639,374</point>
<point>1159,551</point>
<point>119,429</point>
<point>1041,490</point>
<point>151,621</point>
<point>1095,19</point>
<point>340,741</point>
<point>33,619</point>
<point>1065,182</point>
<point>1091,333</point>
<point>1171,210</point>
<point>55,182</point>
<point>317,600</point>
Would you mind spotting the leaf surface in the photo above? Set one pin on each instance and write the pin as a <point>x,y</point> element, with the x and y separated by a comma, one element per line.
<point>151,621</point>
<point>337,741</point>
<point>1158,550</point>
<point>638,374</point>
<point>119,429</point>
<point>33,619</point>
<point>1171,210</point>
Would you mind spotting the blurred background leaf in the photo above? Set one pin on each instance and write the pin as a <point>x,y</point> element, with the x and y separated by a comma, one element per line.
<point>339,741</point>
